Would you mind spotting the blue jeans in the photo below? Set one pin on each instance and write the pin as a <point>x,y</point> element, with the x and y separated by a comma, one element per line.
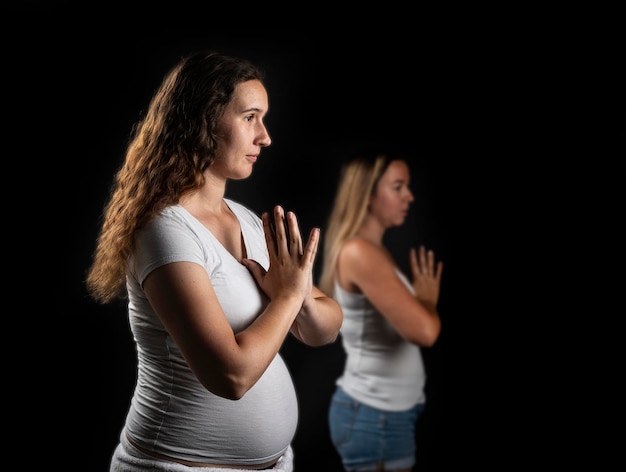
<point>367,438</point>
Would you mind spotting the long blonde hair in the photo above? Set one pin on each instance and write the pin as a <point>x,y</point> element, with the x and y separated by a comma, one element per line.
<point>166,158</point>
<point>358,178</point>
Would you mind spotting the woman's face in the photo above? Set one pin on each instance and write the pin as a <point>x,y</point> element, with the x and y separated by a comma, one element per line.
<point>241,131</point>
<point>391,198</point>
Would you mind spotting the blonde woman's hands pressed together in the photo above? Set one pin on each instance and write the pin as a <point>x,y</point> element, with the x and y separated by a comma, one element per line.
<point>426,275</point>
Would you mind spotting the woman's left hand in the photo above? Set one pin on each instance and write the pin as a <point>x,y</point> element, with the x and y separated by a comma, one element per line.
<point>290,272</point>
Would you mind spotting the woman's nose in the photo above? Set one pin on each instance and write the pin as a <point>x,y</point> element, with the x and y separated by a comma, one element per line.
<point>264,139</point>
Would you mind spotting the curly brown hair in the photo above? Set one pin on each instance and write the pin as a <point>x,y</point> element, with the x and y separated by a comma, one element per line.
<point>168,152</point>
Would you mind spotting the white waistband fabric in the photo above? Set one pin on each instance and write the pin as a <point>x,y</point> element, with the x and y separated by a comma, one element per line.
<point>126,458</point>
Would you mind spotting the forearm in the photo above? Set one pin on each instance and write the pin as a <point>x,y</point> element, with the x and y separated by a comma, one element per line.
<point>256,347</point>
<point>318,322</point>
<point>261,341</point>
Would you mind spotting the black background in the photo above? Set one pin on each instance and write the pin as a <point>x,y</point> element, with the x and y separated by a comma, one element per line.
<point>324,99</point>
<point>514,191</point>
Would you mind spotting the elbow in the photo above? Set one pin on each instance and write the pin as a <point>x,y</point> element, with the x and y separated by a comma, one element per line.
<point>230,388</point>
<point>231,393</point>
<point>318,336</point>
<point>316,340</point>
<point>429,340</point>
<point>328,335</point>
<point>332,338</point>
<point>431,335</point>
<point>427,336</point>
<point>323,341</point>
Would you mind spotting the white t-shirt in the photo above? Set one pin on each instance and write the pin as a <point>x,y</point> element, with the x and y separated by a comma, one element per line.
<point>171,412</point>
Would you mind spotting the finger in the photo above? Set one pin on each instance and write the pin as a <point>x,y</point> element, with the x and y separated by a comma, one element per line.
<point>415,269</point>
<point>431,261</point>
<point>439,270</point>
<point>295,238</point>
<point>270,237</point>
<point>423,262</point>
<point>256,269</point>
<point>310,250</point>
<point>281,233</point>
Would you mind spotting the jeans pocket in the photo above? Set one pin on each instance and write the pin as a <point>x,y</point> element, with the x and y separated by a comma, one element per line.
<point>341,416</point>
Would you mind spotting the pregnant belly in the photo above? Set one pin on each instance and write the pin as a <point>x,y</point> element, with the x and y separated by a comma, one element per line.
<point>197,426</point>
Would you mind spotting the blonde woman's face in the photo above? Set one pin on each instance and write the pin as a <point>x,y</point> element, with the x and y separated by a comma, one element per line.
<point>392,196</point>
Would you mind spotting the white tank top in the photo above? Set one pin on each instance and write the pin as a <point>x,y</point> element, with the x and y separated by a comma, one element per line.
<point>382,370</point>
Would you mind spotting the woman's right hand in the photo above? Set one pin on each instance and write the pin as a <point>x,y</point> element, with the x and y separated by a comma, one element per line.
<point>290,272</point>
<point>426,275</point>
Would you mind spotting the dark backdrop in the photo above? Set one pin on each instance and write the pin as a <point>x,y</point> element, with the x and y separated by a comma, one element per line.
<point>324,100</point>
<point>505,184</point>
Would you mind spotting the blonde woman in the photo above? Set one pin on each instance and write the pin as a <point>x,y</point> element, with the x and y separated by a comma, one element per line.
<point>388,317</point>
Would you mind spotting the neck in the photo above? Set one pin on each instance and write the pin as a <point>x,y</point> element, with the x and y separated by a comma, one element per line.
<point>372,231</point>
<point>209,198</point>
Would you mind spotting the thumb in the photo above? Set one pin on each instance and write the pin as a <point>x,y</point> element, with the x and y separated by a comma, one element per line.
<point>256,269</point>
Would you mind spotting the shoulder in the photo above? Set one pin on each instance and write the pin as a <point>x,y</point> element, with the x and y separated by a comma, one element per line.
<point>364,254</point>
<point>362,265</point>
<point>172,235</point>
<point>171,219</point>
<point>170,226</point>
<point>173,215</point>
<point>358,247</point>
